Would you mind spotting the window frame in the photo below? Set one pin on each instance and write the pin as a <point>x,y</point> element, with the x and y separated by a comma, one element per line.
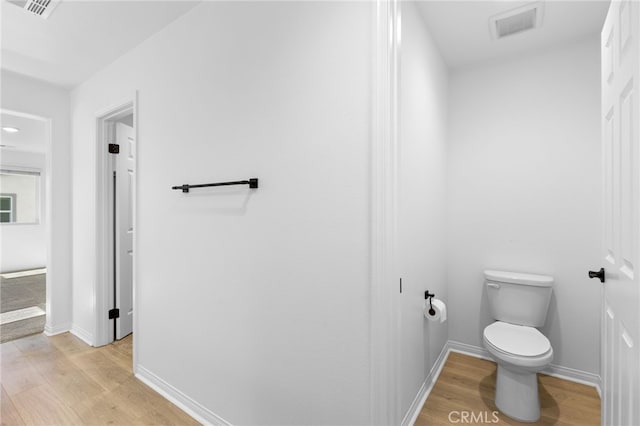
<point>12,208</point>
<point>39,201</point>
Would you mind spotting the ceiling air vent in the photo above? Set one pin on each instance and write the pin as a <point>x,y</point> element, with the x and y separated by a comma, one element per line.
<point>42,8</point>
<point>516,20</point>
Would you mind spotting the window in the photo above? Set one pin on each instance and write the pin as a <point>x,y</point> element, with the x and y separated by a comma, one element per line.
<point>19,196</point>
<point>7,208</point>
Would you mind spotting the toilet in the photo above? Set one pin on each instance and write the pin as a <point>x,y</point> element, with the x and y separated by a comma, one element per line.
<point>519,304</point>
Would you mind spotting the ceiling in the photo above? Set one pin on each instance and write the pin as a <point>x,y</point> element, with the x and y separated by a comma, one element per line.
<point>83,36</point>
<point>31,137</point>
<point>461,28</point>
<point>80,37</point>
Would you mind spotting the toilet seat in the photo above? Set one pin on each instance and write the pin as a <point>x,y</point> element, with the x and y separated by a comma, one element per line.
<point>518,345</point>
<point>518,340</point>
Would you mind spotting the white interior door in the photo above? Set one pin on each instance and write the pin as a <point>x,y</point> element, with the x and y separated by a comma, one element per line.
<point>621,152</point>
<point>124,168</point>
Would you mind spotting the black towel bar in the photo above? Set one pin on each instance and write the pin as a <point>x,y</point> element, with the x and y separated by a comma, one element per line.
<point>253,183</point>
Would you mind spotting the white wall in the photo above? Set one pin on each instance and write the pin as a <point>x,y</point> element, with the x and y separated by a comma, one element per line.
<point>255,304</point>
<point>24,245</point>
<point>421,211</point>
<point>524,190</point>
<point>26,95</point>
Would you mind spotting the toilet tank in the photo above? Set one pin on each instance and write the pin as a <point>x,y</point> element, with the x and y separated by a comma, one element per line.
<point>518,298</point>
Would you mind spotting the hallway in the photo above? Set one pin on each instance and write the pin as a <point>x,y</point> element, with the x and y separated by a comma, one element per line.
<point>402,148</point>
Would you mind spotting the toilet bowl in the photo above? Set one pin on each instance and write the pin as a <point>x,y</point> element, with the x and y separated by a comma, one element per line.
<point>520,352</point>
<point>519,303</point>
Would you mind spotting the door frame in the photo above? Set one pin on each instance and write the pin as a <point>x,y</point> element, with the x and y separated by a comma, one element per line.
<point>384,329</point>
<point>51,283</point>
<point>104,221</point>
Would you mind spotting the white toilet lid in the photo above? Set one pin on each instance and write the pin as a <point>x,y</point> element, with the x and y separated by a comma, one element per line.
<point>517,339</point>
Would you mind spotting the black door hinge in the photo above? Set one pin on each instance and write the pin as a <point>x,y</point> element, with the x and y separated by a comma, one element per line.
<point>114,148</point>
<point>114,313</point>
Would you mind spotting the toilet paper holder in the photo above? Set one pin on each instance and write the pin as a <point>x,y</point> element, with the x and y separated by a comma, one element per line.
<point>430,296</point>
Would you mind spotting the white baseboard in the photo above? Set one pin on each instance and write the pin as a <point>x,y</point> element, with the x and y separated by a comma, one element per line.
<point>27,273</point>
<point>418,402</point>
<point>50,330</point>
<point>185,403</point>
<point>82,334</point>
<point>566,373</point>
<point>466,349</point>
<point>573,375</point>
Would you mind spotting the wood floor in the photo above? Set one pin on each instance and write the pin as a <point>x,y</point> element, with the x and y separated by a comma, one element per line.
<point>468,384</point>
<point>60,380</point>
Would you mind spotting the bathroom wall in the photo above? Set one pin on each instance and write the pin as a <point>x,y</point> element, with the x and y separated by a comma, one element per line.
<point>26,95</point>
<point>252,304</point>
<point>423,94</point>
<point>524,190</point>
<point>24,246</point>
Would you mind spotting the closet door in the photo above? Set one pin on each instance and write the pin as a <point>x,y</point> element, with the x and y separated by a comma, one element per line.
<point>621,236</point>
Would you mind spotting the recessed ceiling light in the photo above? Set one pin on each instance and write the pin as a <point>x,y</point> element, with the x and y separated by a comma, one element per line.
<point>11,129</point>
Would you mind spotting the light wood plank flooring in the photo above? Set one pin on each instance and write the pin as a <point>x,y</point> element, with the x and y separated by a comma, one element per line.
<point>60,380</point>
<point>468,384</point>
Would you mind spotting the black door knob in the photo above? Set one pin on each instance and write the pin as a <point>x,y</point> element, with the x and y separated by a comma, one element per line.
<point>599,274</point>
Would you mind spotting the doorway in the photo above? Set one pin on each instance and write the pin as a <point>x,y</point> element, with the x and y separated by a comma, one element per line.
<point>123,169</point>
<point>24,224</point>
<point>116,154</point>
